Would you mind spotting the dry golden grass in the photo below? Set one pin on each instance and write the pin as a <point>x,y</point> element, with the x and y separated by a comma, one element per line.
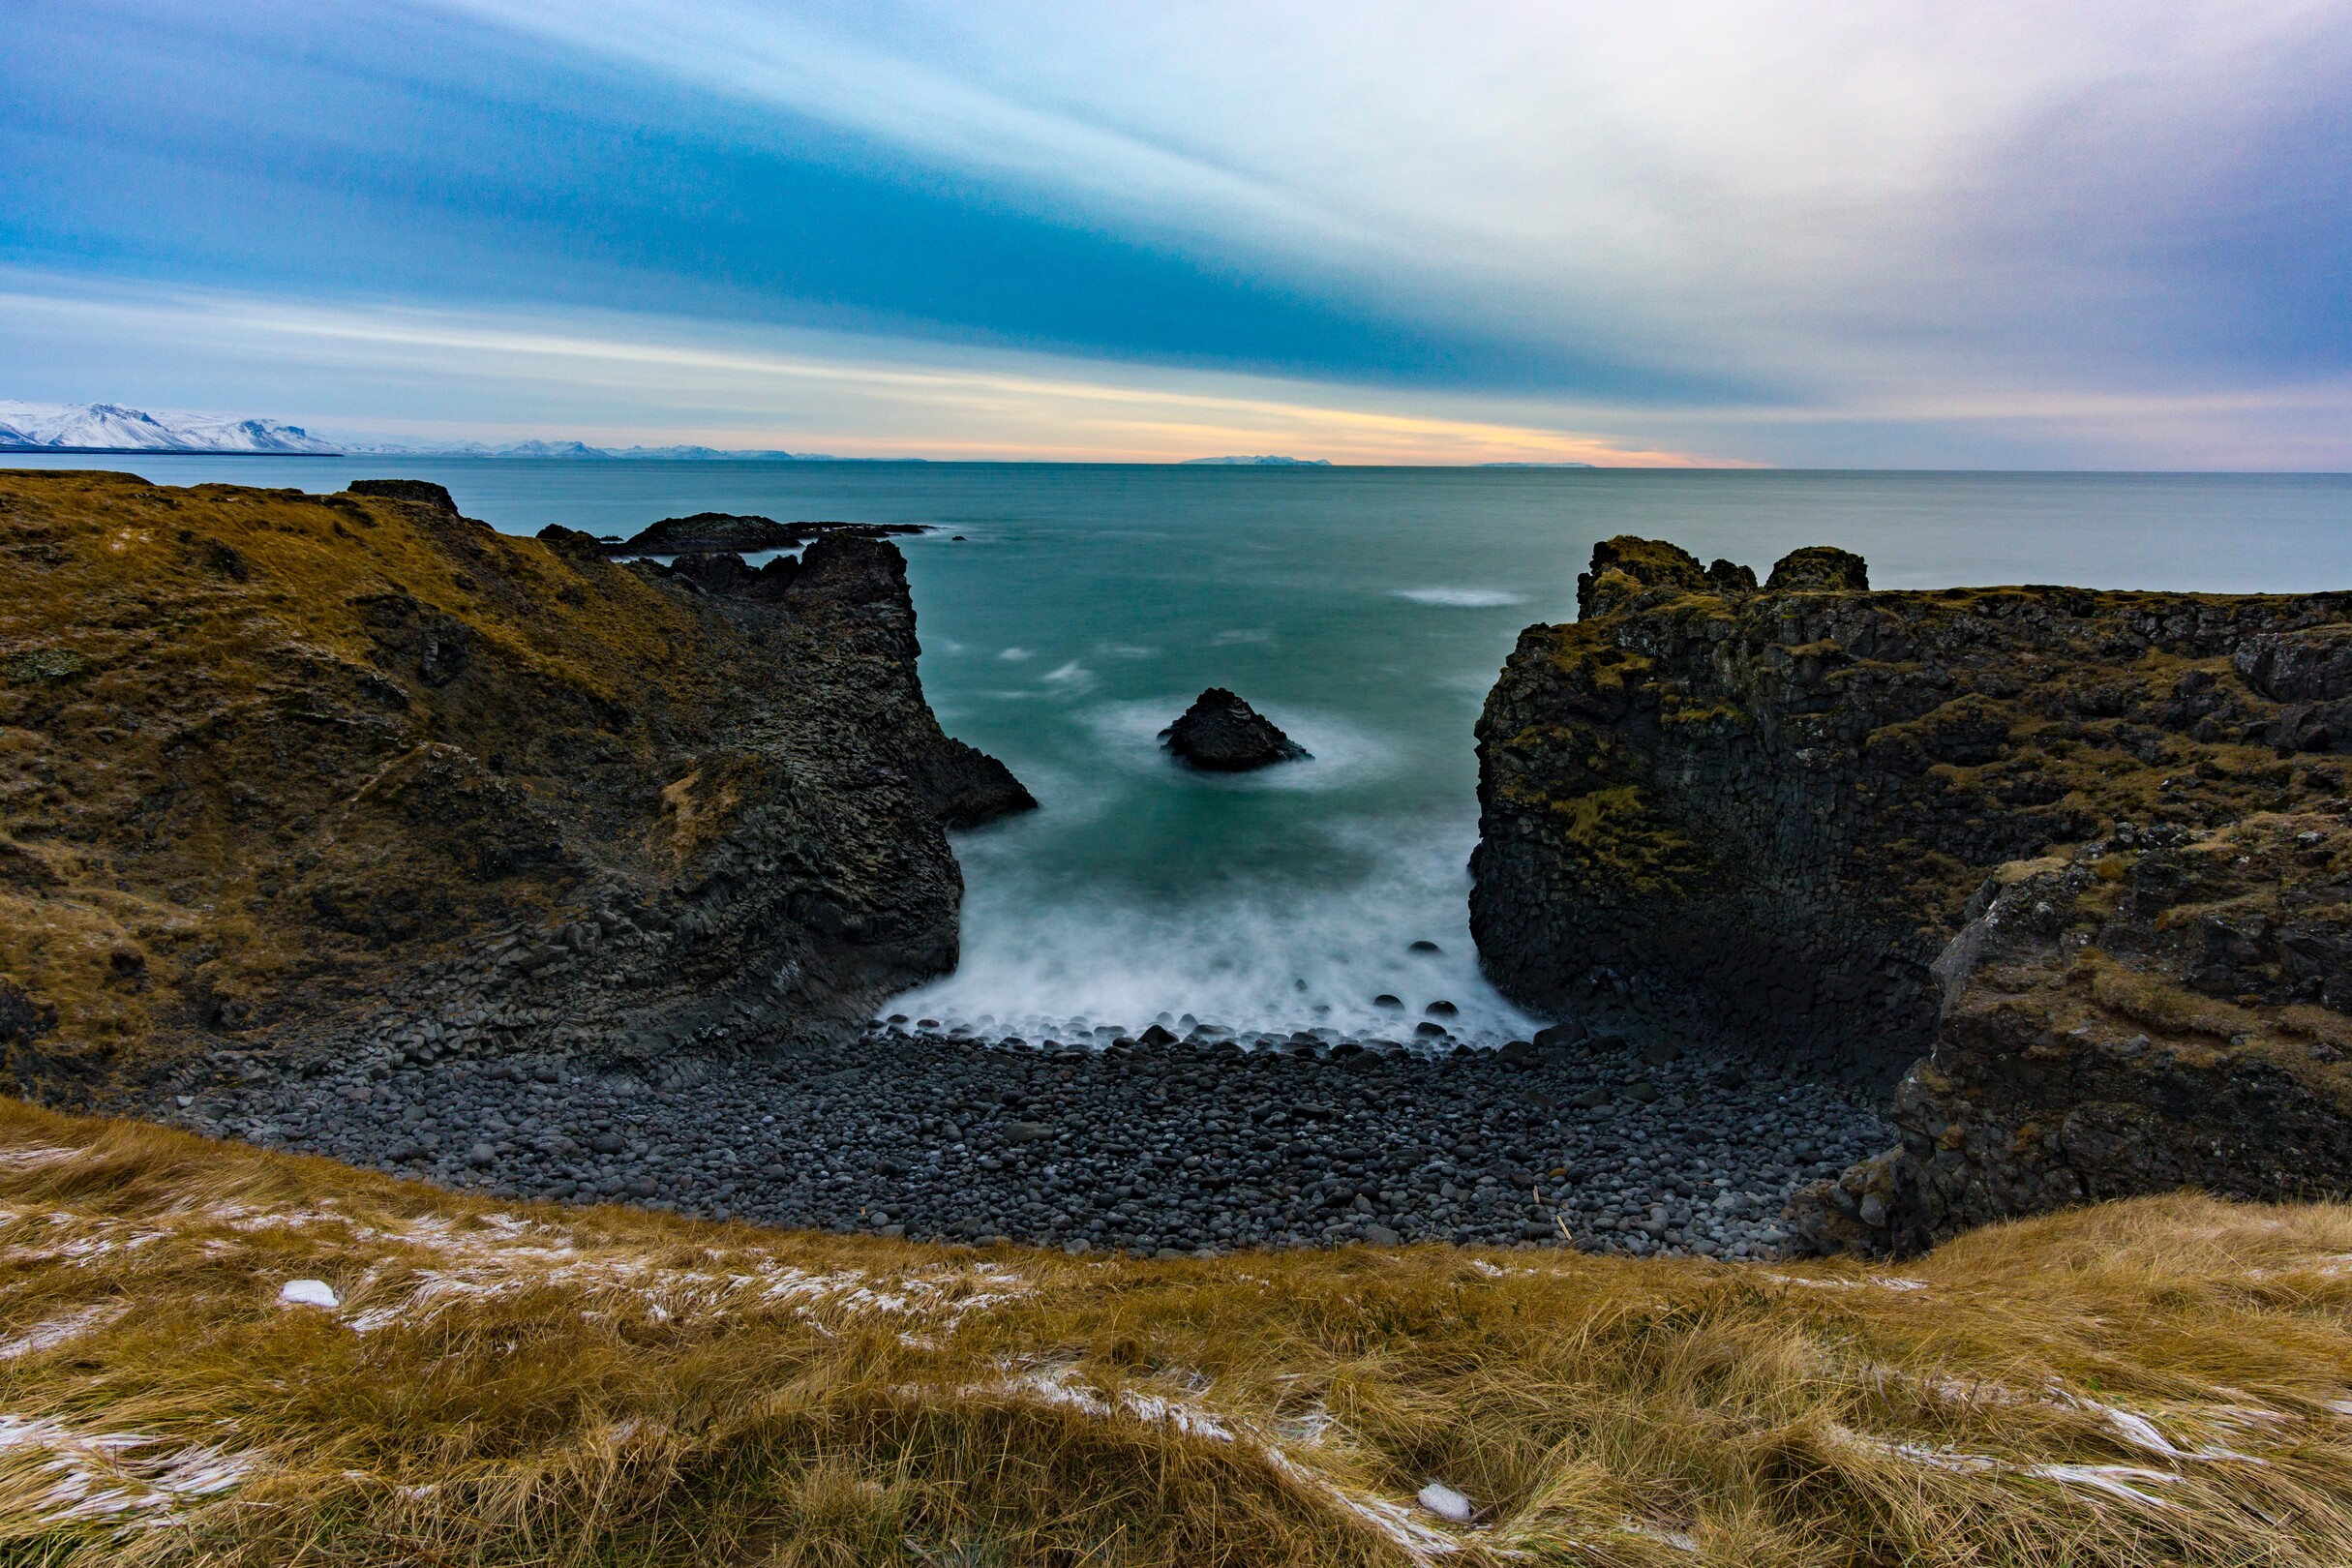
<point>2164,1381</point>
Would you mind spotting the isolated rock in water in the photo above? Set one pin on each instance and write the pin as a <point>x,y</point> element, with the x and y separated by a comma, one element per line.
<point>1224,734</point>
<point>710,533</point>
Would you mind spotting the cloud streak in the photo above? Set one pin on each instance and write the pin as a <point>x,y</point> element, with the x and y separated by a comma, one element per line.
<point>630,378</point>
<point>2108,232</point>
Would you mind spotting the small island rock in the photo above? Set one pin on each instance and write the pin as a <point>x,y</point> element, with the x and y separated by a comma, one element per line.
<point>1224,735</point>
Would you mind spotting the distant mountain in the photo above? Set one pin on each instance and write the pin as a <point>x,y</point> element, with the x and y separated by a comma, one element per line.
<point>1255,463</point>
<point>108,427</point>
<point>581,450</point>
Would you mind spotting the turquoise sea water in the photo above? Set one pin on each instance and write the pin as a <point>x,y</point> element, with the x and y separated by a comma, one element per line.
<point>1366,611</point>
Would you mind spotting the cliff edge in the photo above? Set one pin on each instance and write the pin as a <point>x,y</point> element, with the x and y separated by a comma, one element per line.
<point>2067,872</point>
<point>281,772</point>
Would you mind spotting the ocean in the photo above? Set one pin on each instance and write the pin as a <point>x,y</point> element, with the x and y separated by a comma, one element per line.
<point>1366,611</point>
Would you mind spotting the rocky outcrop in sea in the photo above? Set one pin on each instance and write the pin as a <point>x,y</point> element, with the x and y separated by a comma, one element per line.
<point>2063,870</point>
<point>1221,734</point>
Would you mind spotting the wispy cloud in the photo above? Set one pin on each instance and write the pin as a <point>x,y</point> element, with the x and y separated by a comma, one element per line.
<point>2105,232</point>
<point>613,378</point>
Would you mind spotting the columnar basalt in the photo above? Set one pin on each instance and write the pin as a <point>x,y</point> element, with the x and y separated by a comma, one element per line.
<point>286,771</point>
<point>1807,811</point>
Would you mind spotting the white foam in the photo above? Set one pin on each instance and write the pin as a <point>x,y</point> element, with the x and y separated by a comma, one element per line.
<point>1249,959</point>
<point>1462,598</point>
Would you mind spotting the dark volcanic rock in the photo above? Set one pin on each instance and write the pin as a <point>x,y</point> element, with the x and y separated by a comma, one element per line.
<point>2142,1013</point>
<point>716,533</point>
<point>541,797</point>
<point>1818,568</point>
<point>1183,1144</point>
<point>712,533</point>
<point>422,491</point>
<point>1224,735</point>
<point>1776,806</point>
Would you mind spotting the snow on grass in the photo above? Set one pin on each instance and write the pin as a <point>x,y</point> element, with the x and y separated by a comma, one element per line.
<point>53,1332</point>
<point>109,1475</point>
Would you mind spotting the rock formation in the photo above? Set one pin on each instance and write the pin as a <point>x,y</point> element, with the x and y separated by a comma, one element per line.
<point>2070,865</point>
<point>1222,734</point>
<point>711,533</point>
<point>282,771</point>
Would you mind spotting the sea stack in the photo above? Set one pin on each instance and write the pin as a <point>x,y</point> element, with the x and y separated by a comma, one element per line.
<point>1224,735</point>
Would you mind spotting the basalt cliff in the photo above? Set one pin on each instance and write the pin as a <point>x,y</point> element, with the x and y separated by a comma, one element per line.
<point>282,774</point>
<point>2067,874</point>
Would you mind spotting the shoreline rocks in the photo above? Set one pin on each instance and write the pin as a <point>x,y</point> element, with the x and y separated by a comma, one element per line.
<point>1187,1145</point>
<point>1790,810</point>
<point>1221,734</point>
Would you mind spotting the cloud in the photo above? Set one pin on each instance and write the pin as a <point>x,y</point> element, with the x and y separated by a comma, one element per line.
<point>611,378</point>
<point>1812,196</point>
<point>2111,233</point>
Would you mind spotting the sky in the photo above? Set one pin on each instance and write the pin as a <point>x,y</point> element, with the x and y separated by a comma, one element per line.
<point>2065,233</point>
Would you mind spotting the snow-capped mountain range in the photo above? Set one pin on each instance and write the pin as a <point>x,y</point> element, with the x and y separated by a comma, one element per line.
<point>108,427</point>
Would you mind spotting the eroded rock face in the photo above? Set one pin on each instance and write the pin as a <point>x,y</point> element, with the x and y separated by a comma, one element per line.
<point>2155,1009</point>
<point>1778,805</point>
<point>1224,735</point>
<point>397,763</point>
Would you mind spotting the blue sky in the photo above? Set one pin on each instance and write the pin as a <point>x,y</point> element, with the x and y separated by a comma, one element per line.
<point>1885,235</point>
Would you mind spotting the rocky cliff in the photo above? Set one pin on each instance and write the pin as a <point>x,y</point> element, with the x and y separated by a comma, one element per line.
<point>2073,866</point>
<point>281,772</point>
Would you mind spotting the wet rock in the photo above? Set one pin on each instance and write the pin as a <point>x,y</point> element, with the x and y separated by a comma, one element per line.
<point>1220,733</point>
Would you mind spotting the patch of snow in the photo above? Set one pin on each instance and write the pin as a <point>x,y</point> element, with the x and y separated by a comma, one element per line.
<point>2126,1482</point>
<point>1446,1503</point>
<point>33,1155</point>
<point>307,1294</point>
<point>107,1475</point>
<point>1889,1281</point>
<point>1679,1540</point>
<point>57,1331</point>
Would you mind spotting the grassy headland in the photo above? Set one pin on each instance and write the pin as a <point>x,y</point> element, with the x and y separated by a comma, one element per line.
<point>2162,1382</point>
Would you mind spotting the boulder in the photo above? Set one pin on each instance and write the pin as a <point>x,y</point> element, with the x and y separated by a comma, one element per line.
<point>1819,568</point>
<point>1224,735</point>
